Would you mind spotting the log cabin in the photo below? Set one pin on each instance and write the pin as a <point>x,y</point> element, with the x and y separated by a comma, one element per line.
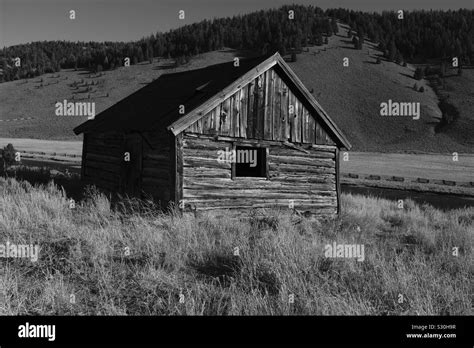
<point>167,141</point>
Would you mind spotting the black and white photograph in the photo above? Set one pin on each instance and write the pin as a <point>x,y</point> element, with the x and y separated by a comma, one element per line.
<point>303,161</point>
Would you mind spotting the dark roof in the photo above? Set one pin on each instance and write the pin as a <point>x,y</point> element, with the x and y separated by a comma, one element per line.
<point>157,104</point>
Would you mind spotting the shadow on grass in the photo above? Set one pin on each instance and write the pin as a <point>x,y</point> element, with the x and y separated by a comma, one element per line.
<point>223,268</point>
<point>227,269</point>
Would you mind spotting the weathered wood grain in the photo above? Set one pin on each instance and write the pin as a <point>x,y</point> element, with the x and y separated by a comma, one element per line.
<point>268,123</point>
<point>293,168</point>
<point>226,117</point>
<point>308,161</point>
<point>251,111</point>
<point>243,111</point>
<point>298,121</point>
<point>260,110</point>
<point>302,175</point>
<point>259,115</point>
<point>277,109</point>
<point>285,133</point>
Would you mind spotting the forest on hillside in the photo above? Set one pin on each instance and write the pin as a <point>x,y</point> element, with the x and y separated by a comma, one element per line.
<point>420,36</point>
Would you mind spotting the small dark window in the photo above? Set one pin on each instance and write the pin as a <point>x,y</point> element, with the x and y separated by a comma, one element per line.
<point>250,162</point>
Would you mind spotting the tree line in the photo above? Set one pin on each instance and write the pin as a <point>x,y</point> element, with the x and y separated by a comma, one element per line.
<point>264,32</point>
<point>421,35</point>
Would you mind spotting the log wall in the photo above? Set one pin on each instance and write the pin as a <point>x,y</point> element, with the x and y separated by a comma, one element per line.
<point>157,167</point>
<point>103,163</point>
<point>101,160</point>
<point>304,175</point>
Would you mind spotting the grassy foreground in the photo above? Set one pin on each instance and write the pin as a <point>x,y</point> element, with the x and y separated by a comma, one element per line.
<point>84,252</point>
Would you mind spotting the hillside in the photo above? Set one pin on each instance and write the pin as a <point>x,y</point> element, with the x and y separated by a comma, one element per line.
<point>27,106</point>
<point>351,95</point>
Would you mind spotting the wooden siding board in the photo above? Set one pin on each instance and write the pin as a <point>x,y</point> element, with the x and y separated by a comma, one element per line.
<point>232,115</point>
<point>277,109</point>
<point>291,115</point>
<point>285,131</point>
<point>298,110</point>
<point>311,129</point>
<point>251,111</point>
<point>268,127</point>
<point>216,115</point>
<point>244,110</point>
<point>131,170</point>
<point>236,116</point>
<point>206,125</point>
<point>318,134</point>
<point>112,177</point>
<point>103,158</point>
<point>226,117</point>
<point>307,126</point>
<point>260,106</point>
<point>112,168</point>
<point>218,119</point>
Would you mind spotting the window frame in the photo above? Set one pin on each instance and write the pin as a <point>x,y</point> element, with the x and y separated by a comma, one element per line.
<point>267,167</point>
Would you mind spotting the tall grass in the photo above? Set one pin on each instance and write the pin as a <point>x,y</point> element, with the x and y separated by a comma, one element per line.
<point>139,261</point>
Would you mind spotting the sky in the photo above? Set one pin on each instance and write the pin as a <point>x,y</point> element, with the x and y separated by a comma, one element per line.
<point>23,21</point>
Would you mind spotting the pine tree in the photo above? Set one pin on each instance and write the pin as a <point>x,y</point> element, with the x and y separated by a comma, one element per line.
<point>418,73</point>
<point>360,41</point>
<point>392,51</point>
<point>355,42</point>
<point>335,28</point>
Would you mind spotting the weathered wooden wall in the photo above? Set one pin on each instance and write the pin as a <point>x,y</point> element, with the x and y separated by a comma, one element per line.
<point>267,109</point>
<point>101,160</point>
<point>148,173</point>
<point>306,175</point>
<point>157,168</point>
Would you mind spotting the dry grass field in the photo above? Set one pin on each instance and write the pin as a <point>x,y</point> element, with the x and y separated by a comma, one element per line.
<point>139,261</point>
<point>411,166</point>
